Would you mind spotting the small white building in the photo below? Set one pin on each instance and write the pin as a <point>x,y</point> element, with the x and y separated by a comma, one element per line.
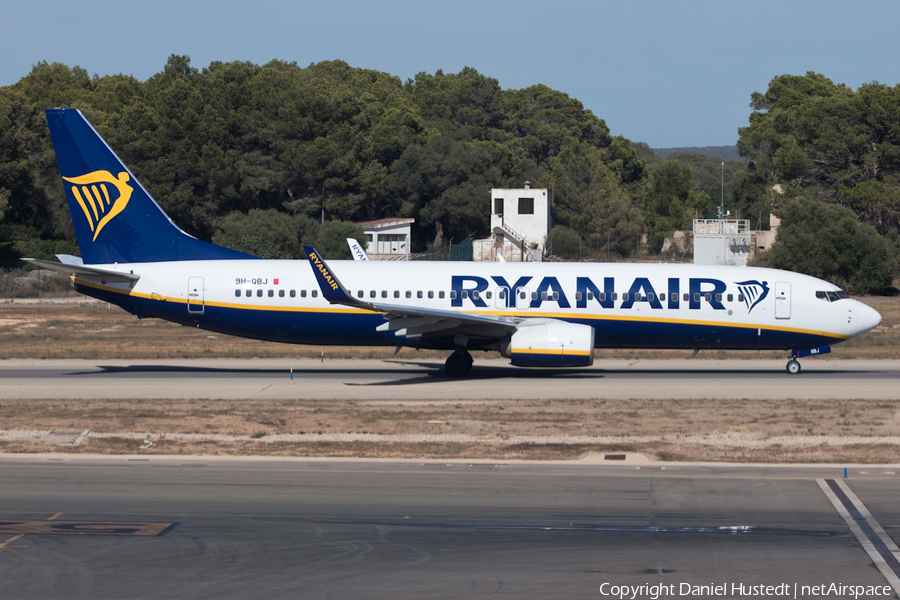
<point>520,221</point>
<point>387,238</point>
<point>721,241</point>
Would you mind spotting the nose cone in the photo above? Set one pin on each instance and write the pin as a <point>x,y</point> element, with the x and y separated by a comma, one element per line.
<point>867,318</point>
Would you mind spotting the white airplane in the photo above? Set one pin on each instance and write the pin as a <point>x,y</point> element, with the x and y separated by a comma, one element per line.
<point>536,314</point>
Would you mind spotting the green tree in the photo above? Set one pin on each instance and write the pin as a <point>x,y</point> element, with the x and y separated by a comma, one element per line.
<point>588,198</point>
<point>564,242</point>
<point>265,233</point>
<point>827,241</point>
<point>273,234</point>
<point>671,200</point>
<point>358,144</point>
<point>331,238</point>
<point>451,181</point>
<point>841,145</point>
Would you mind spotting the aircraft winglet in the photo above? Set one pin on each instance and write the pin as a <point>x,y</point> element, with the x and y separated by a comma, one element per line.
<point>332,290</point>
<point>357,250</point>
<point>336,293</point>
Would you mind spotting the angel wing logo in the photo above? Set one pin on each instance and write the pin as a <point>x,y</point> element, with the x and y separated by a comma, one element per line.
<point>92,192</point>
<point>753,291</point>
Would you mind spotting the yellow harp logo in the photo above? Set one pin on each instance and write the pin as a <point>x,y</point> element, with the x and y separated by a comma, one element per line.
<point>92,194</point>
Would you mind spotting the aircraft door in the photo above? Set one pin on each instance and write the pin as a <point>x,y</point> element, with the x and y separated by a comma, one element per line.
<point>502,297</point>
<point>523,298</point>
<point>782,300</point>
<point>195,295</point>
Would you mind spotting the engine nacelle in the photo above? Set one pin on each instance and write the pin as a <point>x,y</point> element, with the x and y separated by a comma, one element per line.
<point>551,343</point>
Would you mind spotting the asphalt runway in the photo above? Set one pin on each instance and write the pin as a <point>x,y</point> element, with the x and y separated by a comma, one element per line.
<point>405,378</point>
<point>75,527</point>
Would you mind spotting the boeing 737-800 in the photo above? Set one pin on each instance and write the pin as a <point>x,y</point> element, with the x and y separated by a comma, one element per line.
<point>536,314</point>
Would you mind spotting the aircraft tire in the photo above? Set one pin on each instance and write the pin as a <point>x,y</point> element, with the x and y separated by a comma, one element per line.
<point>793,367</point>
<point>458,364</point>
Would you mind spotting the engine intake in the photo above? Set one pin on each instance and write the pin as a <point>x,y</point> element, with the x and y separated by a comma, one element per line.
<point>551,343</point>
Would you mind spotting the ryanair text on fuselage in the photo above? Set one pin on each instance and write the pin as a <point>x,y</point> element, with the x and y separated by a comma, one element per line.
<point>472,288</point>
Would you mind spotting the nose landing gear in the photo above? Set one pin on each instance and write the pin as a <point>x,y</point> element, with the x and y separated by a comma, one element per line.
<point>793,365</point>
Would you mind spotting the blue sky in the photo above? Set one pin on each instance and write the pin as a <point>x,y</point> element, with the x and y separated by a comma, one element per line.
<point>661,72</point>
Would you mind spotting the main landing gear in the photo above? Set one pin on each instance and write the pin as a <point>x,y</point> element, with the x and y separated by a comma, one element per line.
<point>458,364</point>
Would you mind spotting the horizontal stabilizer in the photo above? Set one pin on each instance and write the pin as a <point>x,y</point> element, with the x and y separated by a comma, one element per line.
<point>85,272</point>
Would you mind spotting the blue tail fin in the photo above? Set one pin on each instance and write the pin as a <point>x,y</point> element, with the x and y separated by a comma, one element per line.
<point>116,219</point>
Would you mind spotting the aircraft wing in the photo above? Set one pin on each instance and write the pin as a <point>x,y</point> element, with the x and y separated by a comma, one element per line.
<point>410,321</point>
<point>85,272</point>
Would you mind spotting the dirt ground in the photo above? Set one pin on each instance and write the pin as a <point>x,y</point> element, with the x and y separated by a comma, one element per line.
<point>844,431</point>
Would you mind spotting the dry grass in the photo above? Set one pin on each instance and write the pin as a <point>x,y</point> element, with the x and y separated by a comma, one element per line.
<point>860,431</point>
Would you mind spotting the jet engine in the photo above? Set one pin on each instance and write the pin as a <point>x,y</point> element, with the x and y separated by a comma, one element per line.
<point>550,343</point>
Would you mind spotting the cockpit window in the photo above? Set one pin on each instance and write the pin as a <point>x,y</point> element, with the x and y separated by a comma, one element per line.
<point>832,296</point>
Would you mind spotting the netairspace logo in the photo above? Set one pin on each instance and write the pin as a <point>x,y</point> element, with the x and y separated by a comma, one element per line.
<point>735,590</point>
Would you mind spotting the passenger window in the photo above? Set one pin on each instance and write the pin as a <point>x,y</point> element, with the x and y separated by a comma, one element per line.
<point>543,295</point>
<point>674,297</point>
<point>430,294</point>
<point>615,296</point>
<point>237,293</point>
<point>293,293</point>
<point>440,295</point>
<point>534,295</point>
<point>488,295</point>
<point>740,297</point>
<point>475,294</point>
<point>303,293</point>
<point>360,294</point>
<point>315,293</point>
<point>271,293</point>
<point>731,297</point>
<point>259,293</point>
<point>578,295</point>
<point>384,293</point>
<point>465,294</point>
<point>522,295</point>
<point>637,296</point>
<point>708,297</point>
<point>371,293</point>
<point>556,295</point>
<point>281,293</point>
<point>419,294</point>
<point>718,297</point>
<point>452,294</point>
<point>248,293</point>
<point>625,297</point>
<point>696,297</point>
<point>651,296</point>
<point>396,293</point>
<point>688,297</point>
